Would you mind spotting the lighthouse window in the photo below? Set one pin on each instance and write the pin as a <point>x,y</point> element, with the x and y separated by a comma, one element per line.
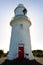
<point>21,25</point>
<point>27,54</point>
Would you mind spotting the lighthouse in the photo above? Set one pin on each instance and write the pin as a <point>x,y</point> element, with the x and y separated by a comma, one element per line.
<point>20,43</point>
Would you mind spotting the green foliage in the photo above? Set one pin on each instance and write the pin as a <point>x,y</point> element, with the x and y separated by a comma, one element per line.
<point>37,53</point>
<point>2,54</point>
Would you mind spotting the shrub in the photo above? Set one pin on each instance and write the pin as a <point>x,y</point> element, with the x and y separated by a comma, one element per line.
<point>37,53</point>
<point>1,53</point>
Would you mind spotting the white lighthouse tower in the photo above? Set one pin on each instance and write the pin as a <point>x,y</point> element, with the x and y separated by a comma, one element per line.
<point>20,44</point>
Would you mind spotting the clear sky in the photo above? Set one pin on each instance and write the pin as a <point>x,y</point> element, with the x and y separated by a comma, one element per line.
<point>34,12</point>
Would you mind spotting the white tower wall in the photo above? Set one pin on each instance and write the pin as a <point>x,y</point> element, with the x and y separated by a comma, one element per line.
<point>20,35</point>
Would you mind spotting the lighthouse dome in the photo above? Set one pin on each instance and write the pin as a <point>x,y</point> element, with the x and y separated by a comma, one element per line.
<point>20,10</point>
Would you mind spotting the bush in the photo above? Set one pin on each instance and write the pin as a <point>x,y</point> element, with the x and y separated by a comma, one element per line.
<point>1,53</point>
<point>37,53</point>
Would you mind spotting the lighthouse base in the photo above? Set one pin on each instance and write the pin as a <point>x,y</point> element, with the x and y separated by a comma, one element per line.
<point>15,62</point>
<point>21,59</point>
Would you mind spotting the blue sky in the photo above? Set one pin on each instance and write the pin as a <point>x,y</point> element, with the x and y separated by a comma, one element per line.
<point>34,12</point>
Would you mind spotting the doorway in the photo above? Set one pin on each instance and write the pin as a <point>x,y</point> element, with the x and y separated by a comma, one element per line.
<point>21,50</point>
